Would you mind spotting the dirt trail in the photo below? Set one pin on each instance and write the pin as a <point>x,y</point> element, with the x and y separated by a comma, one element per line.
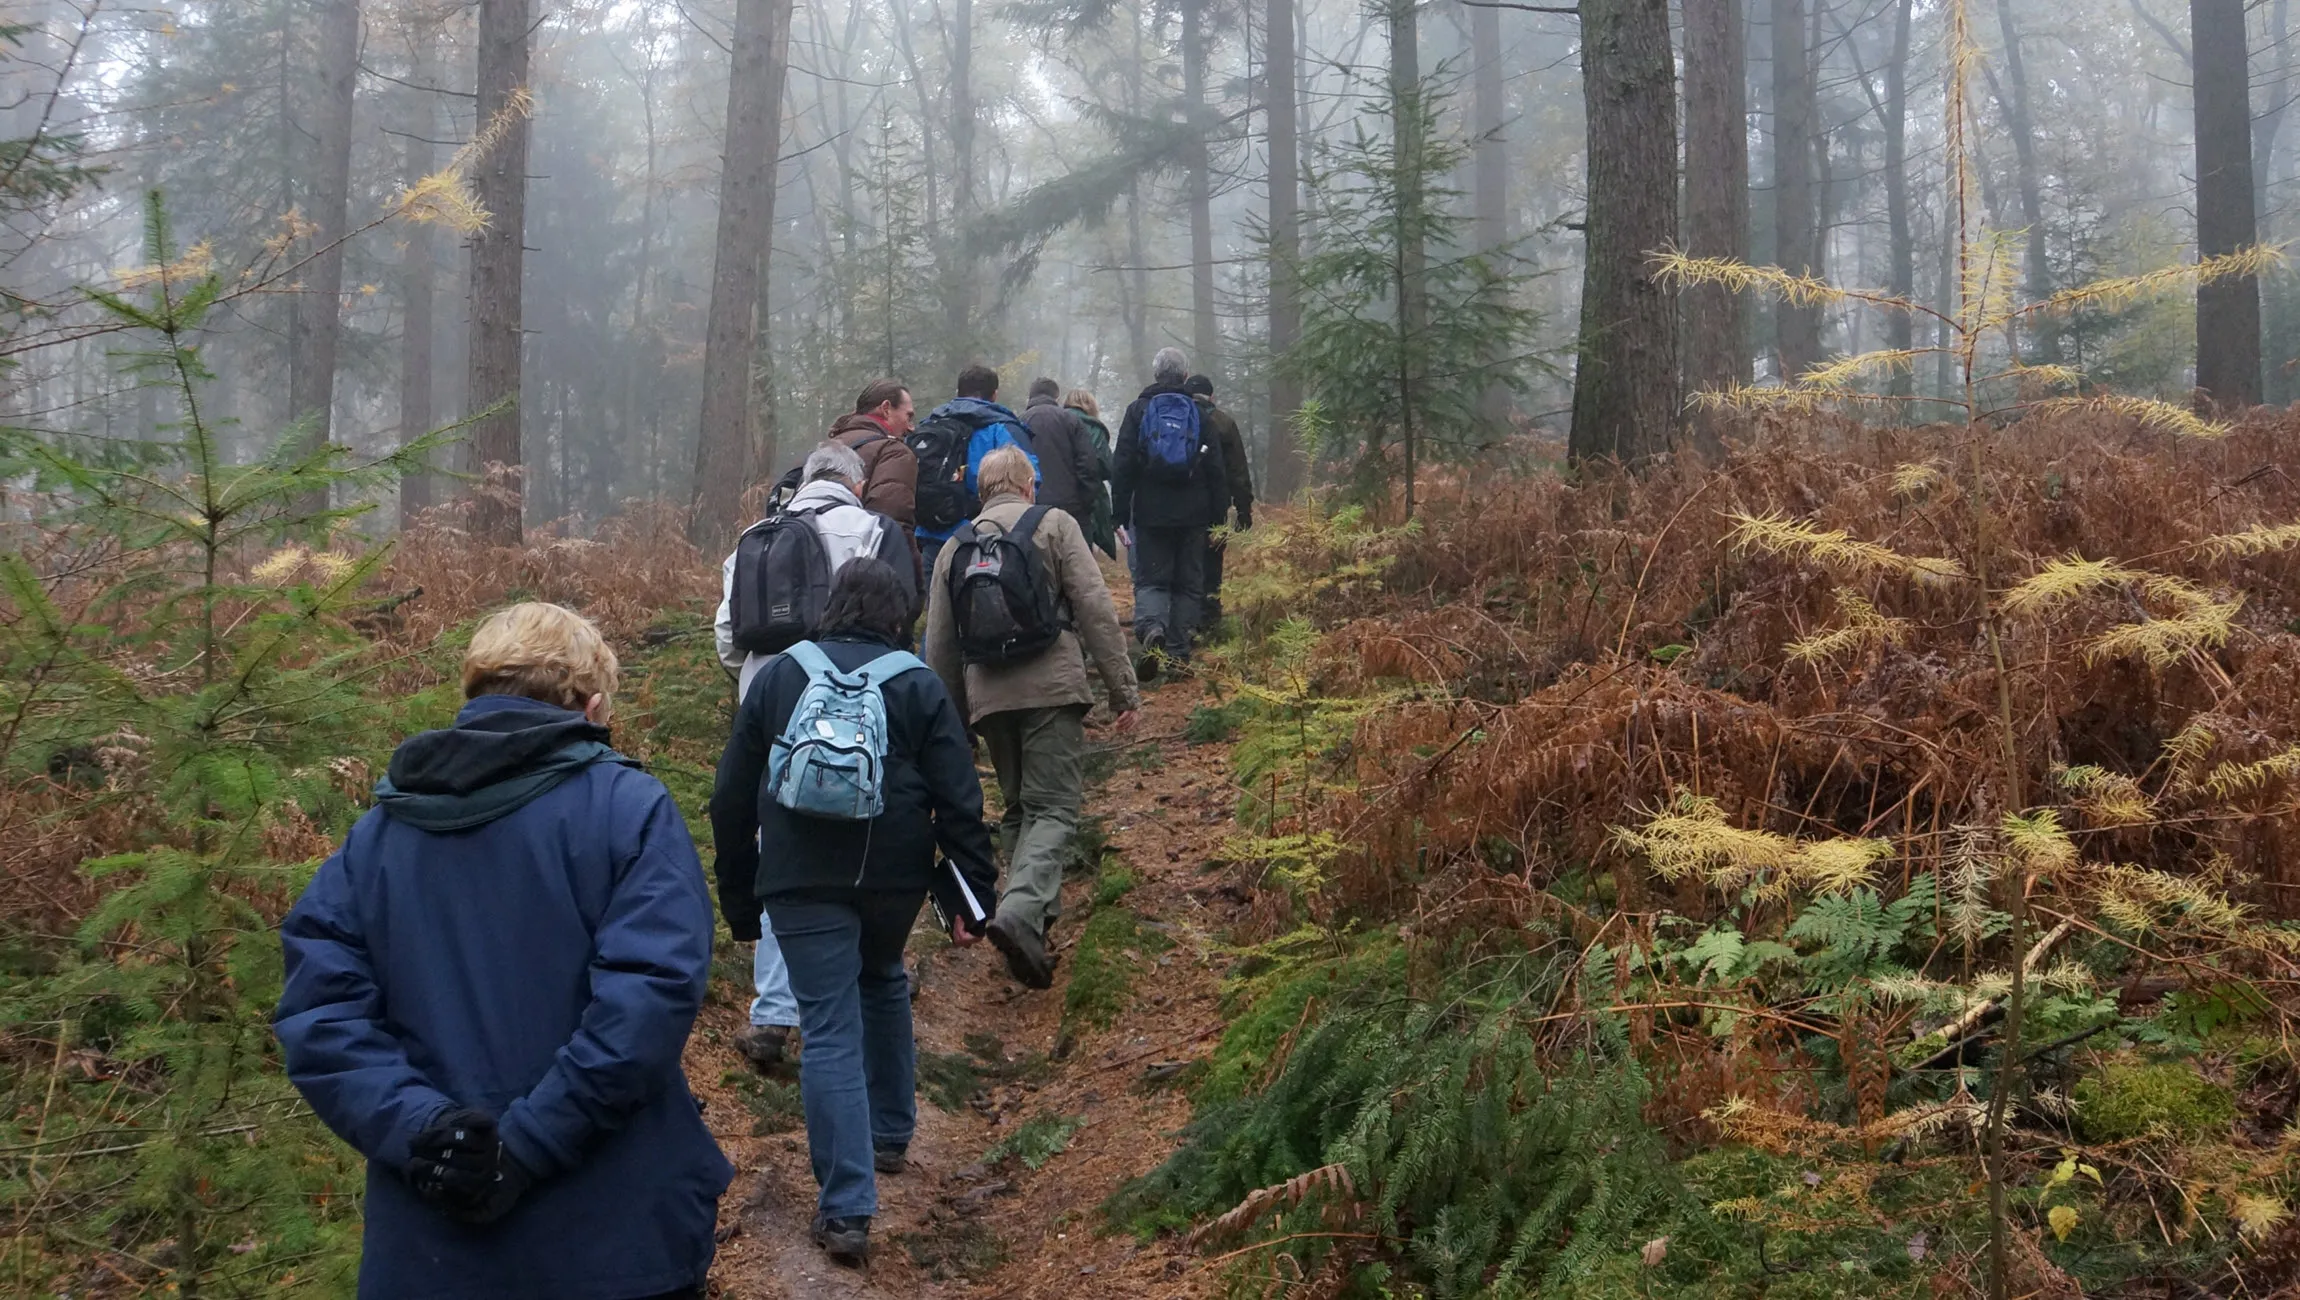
<point>952,1226</point>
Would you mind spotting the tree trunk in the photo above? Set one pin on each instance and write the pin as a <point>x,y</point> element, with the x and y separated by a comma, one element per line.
<point>2227,311</point>
<point>418,269</point>
<point>497,255</point>
<point>1625,384</point>
<point>1796,216</point>
<point>1206,329</point>
<point>724,449</point>
<point>1900,326</point>
<point>1279,76</point>
<point>319,307</point>
<point>2271,123</point>
<point>1716,197</point>
<point>958,270</point>
<point>1490,183</point>
<point>2022,125</point>
<point>1409,252</point>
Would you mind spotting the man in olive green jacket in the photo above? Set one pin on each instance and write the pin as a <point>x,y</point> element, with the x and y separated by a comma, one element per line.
<point>1032,715</point>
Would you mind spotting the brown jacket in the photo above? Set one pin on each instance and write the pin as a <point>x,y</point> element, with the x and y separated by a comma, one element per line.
<point>890,469</point>
<point>1058,676</point>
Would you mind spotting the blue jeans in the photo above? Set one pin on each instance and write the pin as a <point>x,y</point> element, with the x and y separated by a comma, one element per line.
<point>771,981</point>
<point>858,1074</point>
<point>928,549</point>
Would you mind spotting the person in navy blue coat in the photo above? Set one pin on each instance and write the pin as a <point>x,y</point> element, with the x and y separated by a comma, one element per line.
<point>488,989</point>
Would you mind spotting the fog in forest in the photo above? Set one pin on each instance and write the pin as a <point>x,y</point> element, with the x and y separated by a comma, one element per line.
<point>651,248</point>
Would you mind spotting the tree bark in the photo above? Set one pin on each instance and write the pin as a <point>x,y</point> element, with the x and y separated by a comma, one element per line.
<point>2023,127</point>
<point>1206,328</point>
<point>497,256</point>
<point>1625,385</point>
<point>2227,311</point>
<point>418,268</point>
<point>958,270</point>
<point>1489,103</point>
<point>1796,215</point>
<point>724,449</point>
<point>319,307</point>
<point>1900,326</point>
<point>1410,253</point>
<point>1716,197</point>
<point>1279,76</point>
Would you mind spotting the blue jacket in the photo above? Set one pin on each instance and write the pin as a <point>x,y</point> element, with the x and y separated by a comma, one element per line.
<point>995,426</point>
<point>543,963</point>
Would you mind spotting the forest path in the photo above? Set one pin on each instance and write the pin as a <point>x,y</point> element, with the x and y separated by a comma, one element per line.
<point>952,1225</point>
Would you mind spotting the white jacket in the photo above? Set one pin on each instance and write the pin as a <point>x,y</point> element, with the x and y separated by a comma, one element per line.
<point>849,532</point>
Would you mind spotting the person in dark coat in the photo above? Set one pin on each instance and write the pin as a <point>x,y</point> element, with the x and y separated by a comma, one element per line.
<point>1068,480</point>
<point>1165,514</point>
<point>842,895</point>
<point>1237,509</point>
<point>1101,529</point>
<point>488,988</point>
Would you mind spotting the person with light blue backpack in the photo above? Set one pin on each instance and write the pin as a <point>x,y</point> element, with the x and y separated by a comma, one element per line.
<point>848,768</point>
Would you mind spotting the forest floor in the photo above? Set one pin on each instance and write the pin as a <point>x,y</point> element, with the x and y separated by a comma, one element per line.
<point>954,1224</point>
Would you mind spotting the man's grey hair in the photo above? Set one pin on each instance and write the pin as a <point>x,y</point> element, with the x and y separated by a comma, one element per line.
<point>834,460</point>
<point>1169,366</point>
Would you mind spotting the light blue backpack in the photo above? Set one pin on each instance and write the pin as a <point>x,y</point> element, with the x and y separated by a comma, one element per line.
<point>830,761</point>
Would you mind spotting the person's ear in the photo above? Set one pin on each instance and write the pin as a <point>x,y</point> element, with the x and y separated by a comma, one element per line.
<point>596,709</point>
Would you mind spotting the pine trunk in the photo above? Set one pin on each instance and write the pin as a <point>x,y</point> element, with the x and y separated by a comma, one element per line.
<point>2022,125</point>
<point>1206,328</point>
<point>724,449</point>
<point>1796,215</point>
<point>319,307</point>
<point>1410,255</point>
<point>1716,197</point>
<point>1625,384</point>
<point>1279,76</point>
<point>1489,104</point>
<point>418,270</point>
<point>958,302</point>
<point>497,255</point>
<point>1900,326</point>
<point>2227,311</point>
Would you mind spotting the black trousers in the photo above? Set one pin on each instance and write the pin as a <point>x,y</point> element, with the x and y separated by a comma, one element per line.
<point>1169,581</point>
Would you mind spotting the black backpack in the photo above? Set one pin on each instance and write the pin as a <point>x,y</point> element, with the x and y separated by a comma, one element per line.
<point>941,442</point>
<point>788,485</point>
<point>782,581</point>
<point>1002,597</point>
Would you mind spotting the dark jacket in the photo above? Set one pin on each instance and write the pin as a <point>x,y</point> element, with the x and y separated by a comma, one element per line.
<point>542,963</point>
<point>1140,499</point>
<point>1067,480</point>
<point>1239,483</point>
<point>890,468</point>
<point>990,426</point>
<point>933,799</point>
<point>1101,529</point>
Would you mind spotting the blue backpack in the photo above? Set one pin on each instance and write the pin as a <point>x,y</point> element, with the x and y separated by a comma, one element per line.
<point>830,761</point>
<point>1170,435</point>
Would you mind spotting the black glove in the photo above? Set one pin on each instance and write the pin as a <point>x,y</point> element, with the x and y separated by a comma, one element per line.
<point>459,1166</point>
<point>1245,518</point>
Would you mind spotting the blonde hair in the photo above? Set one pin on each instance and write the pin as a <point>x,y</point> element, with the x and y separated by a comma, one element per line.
<point>1083,400</point>
<point>544,652</point>
<point>1005,470</point>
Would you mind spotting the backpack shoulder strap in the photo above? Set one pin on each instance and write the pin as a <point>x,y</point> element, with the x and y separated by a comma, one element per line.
<point>887,667</point>
<point>1028,524</point>
<point>810,657</point>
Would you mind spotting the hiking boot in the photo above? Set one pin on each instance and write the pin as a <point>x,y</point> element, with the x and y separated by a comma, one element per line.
<point>1025,951</point>
<point>890,1160</point>
<point>1149,655</point>
<point>764,1046</point>
<point>846,1241</point>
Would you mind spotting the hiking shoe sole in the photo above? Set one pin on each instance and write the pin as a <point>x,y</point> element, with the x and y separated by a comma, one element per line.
<point>889,1160</point>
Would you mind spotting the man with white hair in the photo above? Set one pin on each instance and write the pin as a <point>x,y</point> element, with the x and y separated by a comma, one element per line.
<point>758,574</point>
<point>1167,480</point>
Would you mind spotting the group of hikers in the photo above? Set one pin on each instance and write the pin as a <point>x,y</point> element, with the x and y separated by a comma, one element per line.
<point>490,984</point>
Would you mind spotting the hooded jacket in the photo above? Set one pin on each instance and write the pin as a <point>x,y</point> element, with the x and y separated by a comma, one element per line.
<point>993,426</point>
<point>933,800</point>
<point>519,926</point>
<point>1100,528</point>
<point>1066,477</point>
<point>1139,499</point>
<point>890,467</point>
<point>848,531</point>
<point>1238,480</point>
